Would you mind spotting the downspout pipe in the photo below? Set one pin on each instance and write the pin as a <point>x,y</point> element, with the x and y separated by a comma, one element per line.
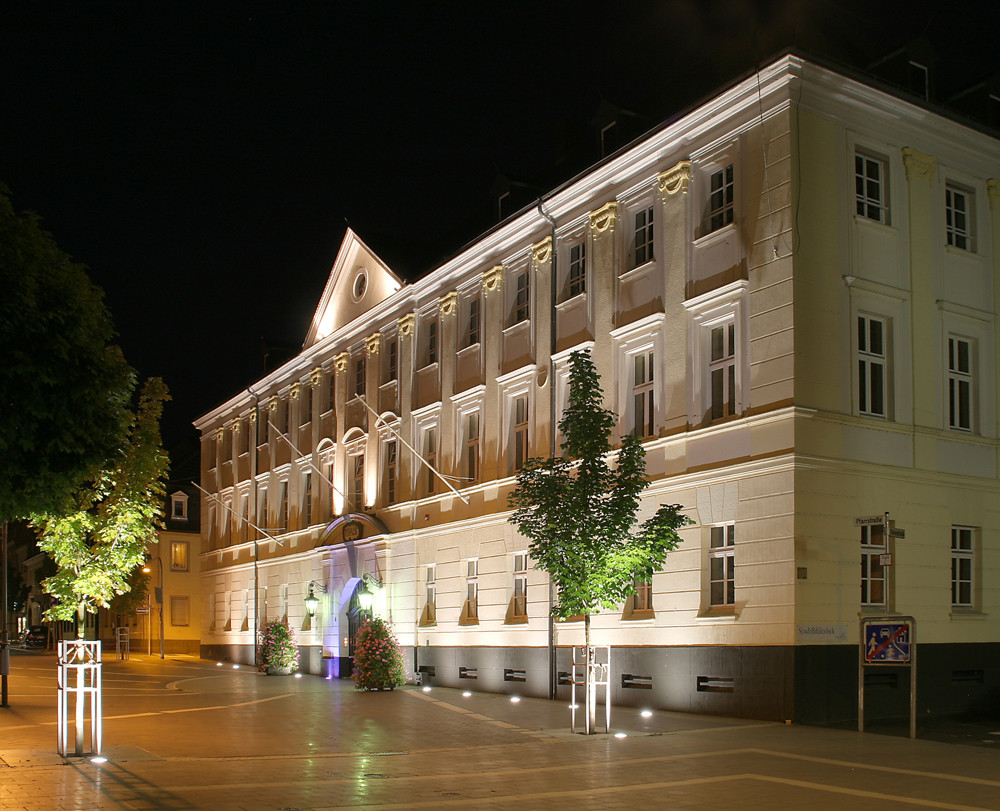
<point>253,478</point>
<point>553,676</point>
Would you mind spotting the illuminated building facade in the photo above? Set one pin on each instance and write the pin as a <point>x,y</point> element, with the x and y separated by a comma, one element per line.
<point>790,294</point>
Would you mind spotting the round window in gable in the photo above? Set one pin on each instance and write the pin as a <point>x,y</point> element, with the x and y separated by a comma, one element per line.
<point>360,284</point>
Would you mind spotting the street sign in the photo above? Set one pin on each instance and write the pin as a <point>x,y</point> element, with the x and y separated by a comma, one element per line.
<point>142,609</point>
<point>887,642</point>
<point>869,520</point>
<point>885,559</point>
<point>897,533</point>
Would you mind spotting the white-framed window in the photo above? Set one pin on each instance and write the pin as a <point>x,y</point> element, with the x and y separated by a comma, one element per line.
<point>307,500</point>
<point>430,448</point>
<point>429,339</point>
<point>179,556</point>
<point>262,426</point>
<point>722,364</point>
<point>391,468</point>
<point>871,187</point>
<point>283,505</point>
<point>872,363</point>
<point>873,571</point>
<point>471,321</point>
<point>642,235</point>
<point>960,383</point>
<point>244,528</point>
<point>470,449</point>
<point>722,565</point>
<point>643,404</point>
<point>179,506</point>
<point>356,482</point>
<point>718,341</point>
<point>330,381</point>
<point>576,279</point>
<point>721,198</point>
<point>519,602</point>
<point>959,217</point>
<point>963,559</point>
<point>520,298</point>
<point>472,586</point>
<point>430,590</point>
<point>359,375</point>
<point>305,403</point>
<point>519,432</point>
<point>392,360</point>
<point>262,520</point>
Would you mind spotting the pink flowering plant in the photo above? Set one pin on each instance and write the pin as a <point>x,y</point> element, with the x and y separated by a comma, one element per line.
<point>378,660</point>
<point>278,648</point>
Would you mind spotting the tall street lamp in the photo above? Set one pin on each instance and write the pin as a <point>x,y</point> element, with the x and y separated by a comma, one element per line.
<point>158,593</point>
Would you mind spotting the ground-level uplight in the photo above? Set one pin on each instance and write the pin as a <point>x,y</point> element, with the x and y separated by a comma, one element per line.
<point>298,675</point>
<point>646,713</point>
<point>427,689</point>
<point>466,694</point>
<point>514,699</point>
<point>218,664</point>
<point>620,735</point>
<point>574,706</point>
<point>99,759</point>
<point>236,667</point>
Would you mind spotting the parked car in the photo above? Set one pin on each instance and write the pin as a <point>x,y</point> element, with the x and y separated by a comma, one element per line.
<point>34,637</point>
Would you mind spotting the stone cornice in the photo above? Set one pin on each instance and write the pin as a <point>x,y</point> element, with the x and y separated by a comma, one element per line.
<point>676,179</point>
<point>604,218</point>
<point>918,165</point>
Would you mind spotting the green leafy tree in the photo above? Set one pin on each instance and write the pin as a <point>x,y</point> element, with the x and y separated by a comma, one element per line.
<point>378,660</point>
<point>98,543</point>
<point>580,514</point>
<point>64,388</point>
<point>126,603</point>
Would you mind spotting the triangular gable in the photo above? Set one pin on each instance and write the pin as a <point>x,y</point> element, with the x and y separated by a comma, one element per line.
<point>358,282</point>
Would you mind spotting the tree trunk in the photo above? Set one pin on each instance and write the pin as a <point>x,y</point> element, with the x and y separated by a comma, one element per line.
<point>591,689</point>
<point>81,621</point>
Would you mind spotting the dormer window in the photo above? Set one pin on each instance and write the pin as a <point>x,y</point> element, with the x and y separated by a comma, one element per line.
<point>179,506</point>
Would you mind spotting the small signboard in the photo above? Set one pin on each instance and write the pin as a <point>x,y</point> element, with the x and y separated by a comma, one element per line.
<point>142,609</point>
<point>897,533</point>
<point>887,642</point>
<point>885,559</point>
<point>869,520</point>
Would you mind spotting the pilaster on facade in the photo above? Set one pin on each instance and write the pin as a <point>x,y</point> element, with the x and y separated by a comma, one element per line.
<point>407,328</point>
<point>606,268</point>
<point>676,228</point>
<point>448,311</point>
<point>492,314</point>
<point>543,259</point>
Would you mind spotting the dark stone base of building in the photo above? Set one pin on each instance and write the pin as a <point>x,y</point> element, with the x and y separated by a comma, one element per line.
<point>806,684</point>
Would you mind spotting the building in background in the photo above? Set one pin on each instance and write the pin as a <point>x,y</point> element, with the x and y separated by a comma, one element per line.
<point>790,293</point>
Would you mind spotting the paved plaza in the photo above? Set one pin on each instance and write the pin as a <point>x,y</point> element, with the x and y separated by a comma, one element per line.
<point>187,734</point>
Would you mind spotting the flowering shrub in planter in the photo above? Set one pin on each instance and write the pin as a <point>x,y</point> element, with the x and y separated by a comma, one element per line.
<point>378,660</point>
<point>278,651</point>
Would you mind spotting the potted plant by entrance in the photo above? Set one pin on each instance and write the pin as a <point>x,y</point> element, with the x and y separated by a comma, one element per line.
<point>279,653</point>
<point>378,661</point>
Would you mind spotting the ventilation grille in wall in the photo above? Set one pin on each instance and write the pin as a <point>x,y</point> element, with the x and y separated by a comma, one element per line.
<point>631,682</point>
<point>511,674</point>
<point>968,676</point>
<point>468,673</point>
<point>716,684</point>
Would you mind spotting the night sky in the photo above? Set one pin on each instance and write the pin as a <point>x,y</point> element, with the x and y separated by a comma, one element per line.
<point>203,159</point>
